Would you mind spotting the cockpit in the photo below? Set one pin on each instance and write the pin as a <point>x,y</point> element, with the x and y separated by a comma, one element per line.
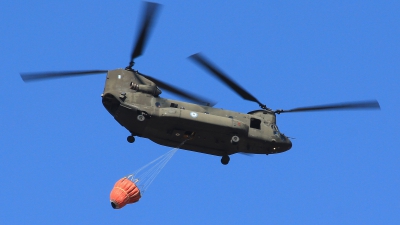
<point>277,133</point>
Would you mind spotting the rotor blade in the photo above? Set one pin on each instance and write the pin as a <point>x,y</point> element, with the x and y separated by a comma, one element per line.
<point>198,58</point>
<point>341,106</point>
<point>146,24</point>
<point>27,77</point>
<point>178,91</point>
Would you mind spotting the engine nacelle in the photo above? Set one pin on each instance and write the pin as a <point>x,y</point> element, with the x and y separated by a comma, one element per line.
<point>149,89</point>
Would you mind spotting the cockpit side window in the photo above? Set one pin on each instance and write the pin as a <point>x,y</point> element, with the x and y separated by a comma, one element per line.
<point>255,123</point>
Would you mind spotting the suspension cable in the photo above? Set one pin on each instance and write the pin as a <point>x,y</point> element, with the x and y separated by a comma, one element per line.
<point>145,175</point>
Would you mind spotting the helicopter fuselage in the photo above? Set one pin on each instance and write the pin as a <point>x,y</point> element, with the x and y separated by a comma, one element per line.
<point>134,102</point>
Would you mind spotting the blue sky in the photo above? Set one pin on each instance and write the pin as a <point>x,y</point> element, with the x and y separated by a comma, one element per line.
<point>61,152</point>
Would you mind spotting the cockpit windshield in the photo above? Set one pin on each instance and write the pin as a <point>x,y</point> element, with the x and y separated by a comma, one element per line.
<point>274,127</point>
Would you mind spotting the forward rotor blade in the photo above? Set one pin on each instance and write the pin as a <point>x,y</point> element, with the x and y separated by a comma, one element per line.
<point>202,61</point>
<point>28,77</point>
<point>341,106</point>
<point>146,24</point>
<point>179,92</point>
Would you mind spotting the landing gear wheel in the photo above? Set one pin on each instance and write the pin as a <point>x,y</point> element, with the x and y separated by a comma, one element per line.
<point>225,159</point>
<point>130,139</point>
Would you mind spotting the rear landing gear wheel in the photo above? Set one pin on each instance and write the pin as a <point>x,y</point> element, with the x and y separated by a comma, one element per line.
<point>225,159</point>
<point>130,139</point>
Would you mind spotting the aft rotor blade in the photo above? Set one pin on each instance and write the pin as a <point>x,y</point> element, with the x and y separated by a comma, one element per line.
<point>28,77</point>
<point>340,106</point>
<point>149,15</point>
<point>179,92</point>
<point>202,61</point>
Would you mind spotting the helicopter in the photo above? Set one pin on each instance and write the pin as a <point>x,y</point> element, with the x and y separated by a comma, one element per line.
<point>133,99</point>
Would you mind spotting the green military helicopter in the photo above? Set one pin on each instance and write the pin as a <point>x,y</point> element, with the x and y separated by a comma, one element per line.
<point>133,99</point>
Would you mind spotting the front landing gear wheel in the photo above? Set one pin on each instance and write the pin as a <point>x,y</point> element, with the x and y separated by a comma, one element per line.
<point>225,159</point>
<point>130,139</point>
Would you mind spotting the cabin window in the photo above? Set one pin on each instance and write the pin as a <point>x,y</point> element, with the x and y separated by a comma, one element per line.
<point>255,123</point>
<point>158,105</point>
<point>174,105</point>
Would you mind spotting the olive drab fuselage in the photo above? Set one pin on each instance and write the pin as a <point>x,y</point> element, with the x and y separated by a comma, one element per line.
<point>134,102</point>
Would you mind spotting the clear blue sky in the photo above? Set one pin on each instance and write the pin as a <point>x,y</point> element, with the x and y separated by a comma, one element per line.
<point>61,152</point>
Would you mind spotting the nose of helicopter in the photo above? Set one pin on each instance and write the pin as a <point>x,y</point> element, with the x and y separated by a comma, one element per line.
<point>287,145</point>
<point>111,103</point>
<point>282,145</point>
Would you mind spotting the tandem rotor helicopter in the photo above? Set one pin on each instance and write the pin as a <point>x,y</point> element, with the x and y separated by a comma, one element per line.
<point>133,99</point>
